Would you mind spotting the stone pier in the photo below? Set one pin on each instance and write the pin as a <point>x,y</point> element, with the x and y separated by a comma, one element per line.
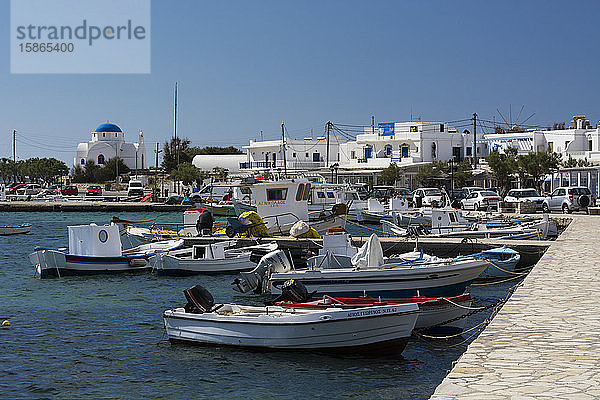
<point>545,341</point>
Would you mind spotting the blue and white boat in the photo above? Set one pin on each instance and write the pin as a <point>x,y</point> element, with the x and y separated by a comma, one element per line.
<point>96,249</point>
<point>503,261</point>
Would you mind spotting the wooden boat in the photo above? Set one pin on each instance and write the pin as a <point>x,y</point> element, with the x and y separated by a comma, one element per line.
<point>440,313</point>
<point>210,258</point>
<point>6,230</point>
<point>503,261</point>
<point>96,249</point>
<point>378,329</point>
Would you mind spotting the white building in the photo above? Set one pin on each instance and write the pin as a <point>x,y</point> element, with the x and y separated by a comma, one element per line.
<point>231,162</point>
<point>108,141</point>
<point>301,155</point>
<point>579,141</point>
<point>404,143</point>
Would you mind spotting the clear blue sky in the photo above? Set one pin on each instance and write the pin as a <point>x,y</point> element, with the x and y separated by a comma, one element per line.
<point>243,66</point>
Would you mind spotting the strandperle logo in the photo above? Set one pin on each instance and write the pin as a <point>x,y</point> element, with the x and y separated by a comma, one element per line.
<point>85,31</point>
<point>80,36</point>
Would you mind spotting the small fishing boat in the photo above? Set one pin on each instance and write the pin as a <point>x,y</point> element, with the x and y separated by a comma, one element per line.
<point>370,272</point>
<point>503,261</point>
<point>377,329</point>
<point>212,258</point>
<point>6,230</point>
<point>96,249</point>
<point>435,313</point>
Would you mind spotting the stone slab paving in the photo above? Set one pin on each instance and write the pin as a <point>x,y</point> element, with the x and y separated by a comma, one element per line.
<point>545,341</point>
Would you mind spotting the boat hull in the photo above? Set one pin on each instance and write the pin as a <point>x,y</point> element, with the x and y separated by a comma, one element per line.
<point>165,264</point>
<point>435,280</point>
<point>15,229</point>
<point>351,330</point>
<point>53,263</point>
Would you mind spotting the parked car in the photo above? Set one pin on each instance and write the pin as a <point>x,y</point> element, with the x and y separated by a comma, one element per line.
<point>14,187</point>
<point>427,197</point>
<point>382,192</point>
<point>94,190</point>
<point>30,189</point>
<point>52,190</point>
<point>456,197</point>
<point>135,188</point>
<point>481,199</point>
<point>519,195</point>
<point>471,189</point>
<point>568,199</point>
<point>404,193</point>
<point>69,190</point>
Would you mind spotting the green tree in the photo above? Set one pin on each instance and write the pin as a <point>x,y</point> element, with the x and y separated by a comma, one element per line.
<point>433,175</point>
<point>538,164</point>
<point>220,173</point>
<point>391,174</point>
<point>462,174</point>
<point>77,174</point>
<point>170,150</point>
<point>503,166</point>
<point>109,171</point>
<point>186,173</point>
<point>192,151</point>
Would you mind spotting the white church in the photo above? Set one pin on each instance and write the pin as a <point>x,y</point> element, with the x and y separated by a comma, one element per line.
<point>108,141</point>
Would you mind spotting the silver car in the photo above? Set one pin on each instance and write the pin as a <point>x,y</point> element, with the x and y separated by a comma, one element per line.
<point>568,199</point>
<point>481,200</point>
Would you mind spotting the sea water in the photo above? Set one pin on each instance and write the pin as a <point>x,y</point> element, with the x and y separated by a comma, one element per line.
<point>103,337</point>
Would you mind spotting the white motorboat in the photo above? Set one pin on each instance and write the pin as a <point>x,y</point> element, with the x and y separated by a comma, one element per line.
<point>371,273</point>
<point>6,230</point>
<point>379,329</point>
<point>210,258</point>
<point>96,249</point>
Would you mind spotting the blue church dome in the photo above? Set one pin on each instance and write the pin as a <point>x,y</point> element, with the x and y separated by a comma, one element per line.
<point>108,128</point>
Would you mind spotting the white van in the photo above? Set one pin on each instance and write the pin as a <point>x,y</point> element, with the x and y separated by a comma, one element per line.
<point>135,188</point>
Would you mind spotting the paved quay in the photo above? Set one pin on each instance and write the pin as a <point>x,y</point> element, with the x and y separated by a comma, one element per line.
<point>545,342</point>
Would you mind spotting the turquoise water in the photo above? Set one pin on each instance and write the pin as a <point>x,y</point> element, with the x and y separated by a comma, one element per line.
<point>102,337</point>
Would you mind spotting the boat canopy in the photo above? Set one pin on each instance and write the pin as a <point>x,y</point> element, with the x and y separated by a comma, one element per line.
<point>370,255</point>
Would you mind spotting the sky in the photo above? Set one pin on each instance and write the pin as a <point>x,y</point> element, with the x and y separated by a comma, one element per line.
<point>246,66</point>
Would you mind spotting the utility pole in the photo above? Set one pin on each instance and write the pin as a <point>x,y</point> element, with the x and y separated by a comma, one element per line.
<point>157,151</point>
<point>175,133</point>
<point>373,124</point>
<point>474,140</point>
<point>283,148</point>
<point>14,155</point>
<point>327,158</point>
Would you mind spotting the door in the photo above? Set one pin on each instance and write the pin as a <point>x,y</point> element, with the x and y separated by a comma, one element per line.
<point>556,199</point>
<point>368,152</point>
<point>404,151</point>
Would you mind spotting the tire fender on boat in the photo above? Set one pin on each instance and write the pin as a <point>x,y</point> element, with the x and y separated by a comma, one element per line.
<point>138,262</point>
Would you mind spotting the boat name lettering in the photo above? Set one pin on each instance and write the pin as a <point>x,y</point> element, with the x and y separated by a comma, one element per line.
<point>273,203</point>
<point>376,311</point>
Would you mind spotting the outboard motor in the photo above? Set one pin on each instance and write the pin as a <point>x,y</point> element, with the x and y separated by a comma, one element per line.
<point>294,291</point>
<point>256,280</point>
<point>199,300</point>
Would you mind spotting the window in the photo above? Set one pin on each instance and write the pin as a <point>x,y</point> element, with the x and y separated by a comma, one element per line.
<point>566,144</point>
<point>306,192</point>
<point>388,150</point>
<point>330,195</point>
<point>100,159</point>
<point>441,127</point>
<point>353,154</point>
<point>414,128</point>
<point>294,155</point>
<point>550,147</point>
<point>103,134</point>
<point>320,195</point>
<point>306,155</point>
<point>589,145</point>
<point>300,192</point>
<point>82,161</point>
<point>276,194</point>
<point>316,157</point>
<point>469,151</point>
<point>433,150</point>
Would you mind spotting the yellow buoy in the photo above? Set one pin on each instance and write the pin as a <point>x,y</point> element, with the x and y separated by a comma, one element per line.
<point>6,323</point>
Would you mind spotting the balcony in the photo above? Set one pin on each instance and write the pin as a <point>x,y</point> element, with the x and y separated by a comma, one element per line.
<point>279,164</point>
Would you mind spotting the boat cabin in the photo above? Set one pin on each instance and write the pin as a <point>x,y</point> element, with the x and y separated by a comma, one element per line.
<point>282,202</point>
<point>95,240</point>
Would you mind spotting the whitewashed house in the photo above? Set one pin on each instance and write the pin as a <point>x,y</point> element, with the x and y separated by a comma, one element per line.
<point>108,141</point>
